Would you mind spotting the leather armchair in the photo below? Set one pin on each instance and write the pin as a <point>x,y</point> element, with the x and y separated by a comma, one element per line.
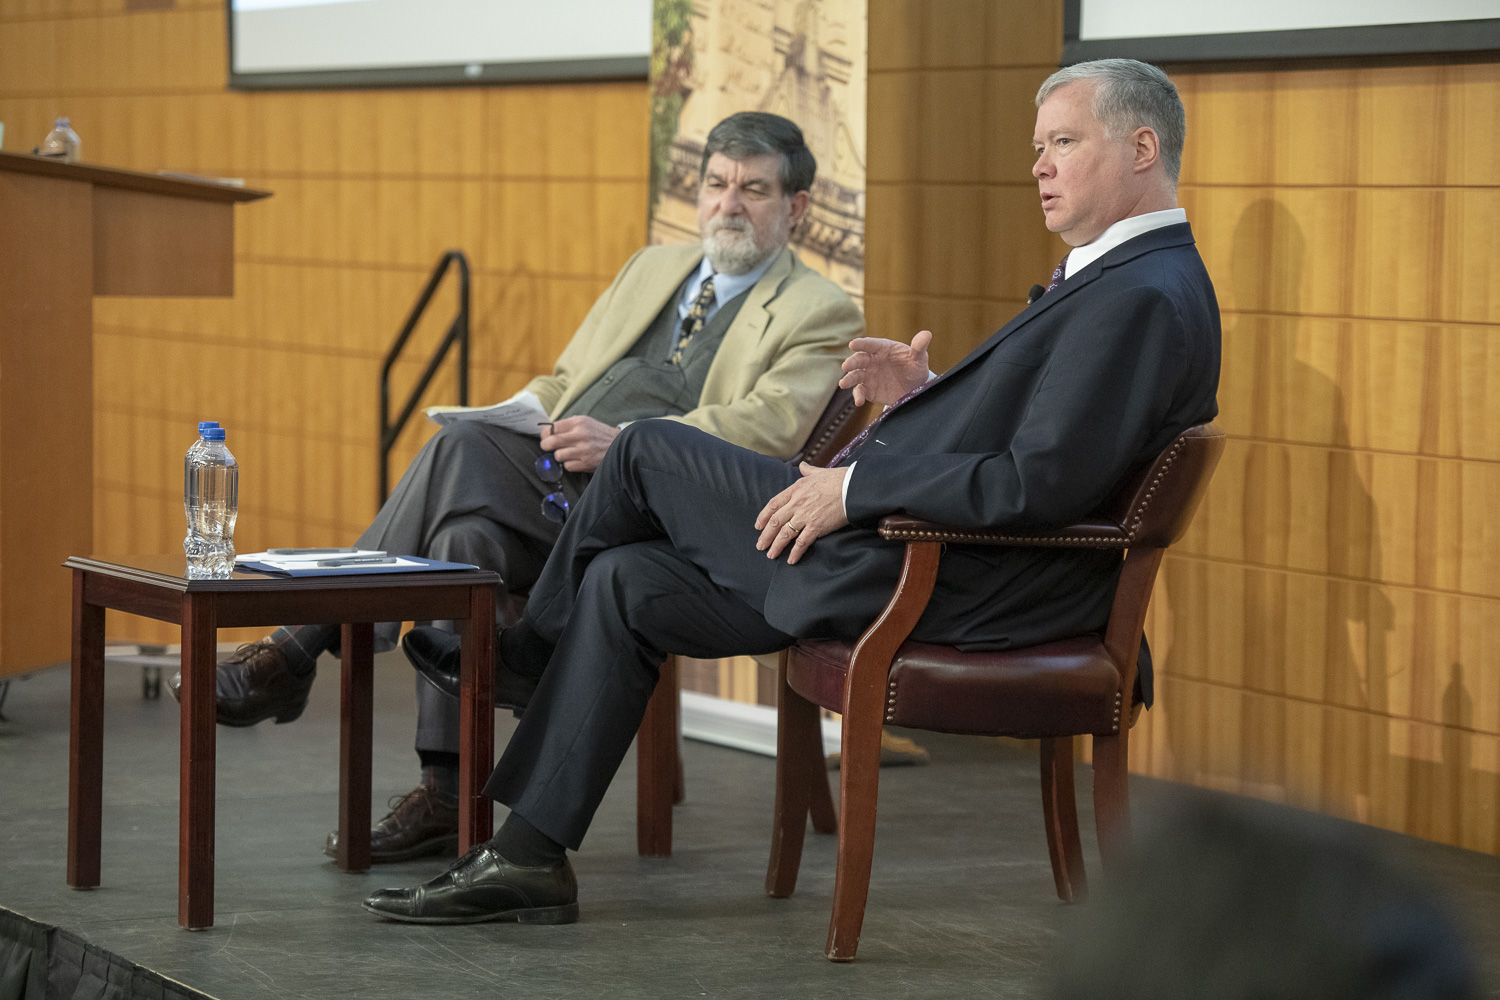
<point>1082,685</point>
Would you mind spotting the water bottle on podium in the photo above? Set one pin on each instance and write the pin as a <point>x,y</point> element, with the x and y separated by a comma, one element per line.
<point>62,142</point>
<point>211,499</point>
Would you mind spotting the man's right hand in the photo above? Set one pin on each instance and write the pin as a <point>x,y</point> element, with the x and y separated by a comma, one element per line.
<point>885,370</point>
<point>579,443</point>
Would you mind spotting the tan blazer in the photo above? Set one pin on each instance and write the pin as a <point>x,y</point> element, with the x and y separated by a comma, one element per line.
<point>776,367</point>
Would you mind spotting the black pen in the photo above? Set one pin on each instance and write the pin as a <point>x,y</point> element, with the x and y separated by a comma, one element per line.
<point>360,561</point>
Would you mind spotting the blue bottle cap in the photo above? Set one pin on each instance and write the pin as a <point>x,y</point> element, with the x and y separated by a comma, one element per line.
<point>204,425</point>
<point>213,433</point>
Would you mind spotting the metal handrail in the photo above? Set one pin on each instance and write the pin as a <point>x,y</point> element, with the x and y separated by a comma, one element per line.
<point>458,330</point>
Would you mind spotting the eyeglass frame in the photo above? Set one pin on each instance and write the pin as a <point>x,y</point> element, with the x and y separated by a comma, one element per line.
<point>550,471</point>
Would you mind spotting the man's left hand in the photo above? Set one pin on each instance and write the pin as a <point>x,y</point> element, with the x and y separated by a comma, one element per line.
<point>579,443</point>
<point>804,511</point>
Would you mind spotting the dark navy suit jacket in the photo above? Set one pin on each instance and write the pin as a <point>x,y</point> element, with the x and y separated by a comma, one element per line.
<point>1034,429</point>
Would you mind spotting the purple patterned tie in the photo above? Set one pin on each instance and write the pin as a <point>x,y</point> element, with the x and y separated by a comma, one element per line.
<point>1057,274</point>
<point>859,439</point>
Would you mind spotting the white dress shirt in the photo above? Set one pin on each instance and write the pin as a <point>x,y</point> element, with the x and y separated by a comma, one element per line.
<point>1125,229</point>
<point>1078,258</point>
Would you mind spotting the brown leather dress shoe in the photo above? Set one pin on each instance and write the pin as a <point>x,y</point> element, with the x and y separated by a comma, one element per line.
<point>253,684</point>
<point>423,821</point>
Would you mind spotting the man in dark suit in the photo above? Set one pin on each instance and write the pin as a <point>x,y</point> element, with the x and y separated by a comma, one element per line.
<point>677,546</point>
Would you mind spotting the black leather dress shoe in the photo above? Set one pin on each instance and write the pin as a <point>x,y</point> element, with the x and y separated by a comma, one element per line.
<point>423,821</point>
<point>253,684</point>
<point>483,886</point>
<point>435,653</point>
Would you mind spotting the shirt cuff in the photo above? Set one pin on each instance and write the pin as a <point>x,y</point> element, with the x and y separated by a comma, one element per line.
<point>844,489</point>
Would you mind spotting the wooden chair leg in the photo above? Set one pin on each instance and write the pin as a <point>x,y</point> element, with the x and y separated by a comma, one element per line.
<point>820,795</point>
<point>85,741</point>
<point>799,749</point>
<point>476,719</point>
<point>679,790</point>
<point>1060,816</point>
<point>356,714</point>
<point>196,777</point>
<point>1112,796</point>
<point>859,783</point>
<point>679,787</point>
<point>656,767</point>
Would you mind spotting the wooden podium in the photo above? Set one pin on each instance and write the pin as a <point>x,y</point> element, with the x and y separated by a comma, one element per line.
<point>68,232</point>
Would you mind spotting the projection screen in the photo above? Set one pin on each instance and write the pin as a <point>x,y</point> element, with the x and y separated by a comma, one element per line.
<point>1196,30</point>
<point>362,43</point>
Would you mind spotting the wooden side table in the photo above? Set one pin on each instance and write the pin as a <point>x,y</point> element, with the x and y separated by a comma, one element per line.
<point>155,587</point>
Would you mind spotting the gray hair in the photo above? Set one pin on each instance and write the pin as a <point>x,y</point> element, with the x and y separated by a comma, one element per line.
<point>1130,94</point>
<point>759,133</point>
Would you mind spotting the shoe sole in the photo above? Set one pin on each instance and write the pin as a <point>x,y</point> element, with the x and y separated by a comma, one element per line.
<point>289,715</point>
<point>437,845</point>
<point>567,914</point>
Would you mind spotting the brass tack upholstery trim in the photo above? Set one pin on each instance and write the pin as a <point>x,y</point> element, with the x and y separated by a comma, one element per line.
<point>1084,541</point>
<point>1140,512</point>
<point>1055,541</point>
<point>828,432</point>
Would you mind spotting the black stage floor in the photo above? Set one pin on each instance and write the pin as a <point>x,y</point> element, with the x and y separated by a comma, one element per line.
<point>961,902</point>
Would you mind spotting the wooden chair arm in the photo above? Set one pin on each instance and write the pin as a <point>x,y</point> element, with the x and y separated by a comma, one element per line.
<point>870,663</point>
<point>1096,534</point>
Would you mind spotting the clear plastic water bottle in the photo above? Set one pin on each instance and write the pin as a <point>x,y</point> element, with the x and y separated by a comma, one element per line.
<point>211,498</point>
<point>193,545</point>
<point>197,447</point>
<point>61,142</point>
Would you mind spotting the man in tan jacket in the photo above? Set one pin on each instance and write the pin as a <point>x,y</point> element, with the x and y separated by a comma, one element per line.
<point>735,336</point>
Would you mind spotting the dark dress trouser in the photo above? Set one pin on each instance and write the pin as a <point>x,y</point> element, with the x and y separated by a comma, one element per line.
<point>658,557</point>
<point>471,495</point>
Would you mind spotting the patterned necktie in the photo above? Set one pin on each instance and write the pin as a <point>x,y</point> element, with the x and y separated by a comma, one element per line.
<point>859,439</point>
<point>1057,274</point>
<point>694,320</point>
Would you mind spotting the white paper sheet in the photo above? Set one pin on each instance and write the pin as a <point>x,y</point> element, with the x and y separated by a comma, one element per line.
<point>522,413</point>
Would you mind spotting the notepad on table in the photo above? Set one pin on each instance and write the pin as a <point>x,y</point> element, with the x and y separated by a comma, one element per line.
<point>322,562</point>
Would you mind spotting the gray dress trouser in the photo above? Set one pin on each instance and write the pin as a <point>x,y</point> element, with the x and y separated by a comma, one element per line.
<point>471,495</point>
<point>658,558</point>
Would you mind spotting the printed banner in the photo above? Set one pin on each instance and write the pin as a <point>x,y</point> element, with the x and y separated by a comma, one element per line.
<point>802,59</point>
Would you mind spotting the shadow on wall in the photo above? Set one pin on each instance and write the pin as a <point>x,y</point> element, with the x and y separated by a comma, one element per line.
<point>1267,264</point>
<point>1308,718</point>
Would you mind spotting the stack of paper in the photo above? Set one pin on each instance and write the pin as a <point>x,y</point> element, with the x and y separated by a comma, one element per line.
<point>337,562</point>
<point>287,560</point>
<point>522,413</point>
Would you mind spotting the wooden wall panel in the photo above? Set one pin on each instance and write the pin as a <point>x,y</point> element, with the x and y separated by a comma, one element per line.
<point>1328,633</point>
<point>1327,630</point>
<point>544,187</point>
<point>956,239</point>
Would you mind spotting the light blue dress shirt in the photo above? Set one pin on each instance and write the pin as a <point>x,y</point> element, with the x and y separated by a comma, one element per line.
<point>726,286</point>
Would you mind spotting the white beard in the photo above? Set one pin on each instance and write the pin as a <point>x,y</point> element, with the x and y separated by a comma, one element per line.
<point>731,246</point>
